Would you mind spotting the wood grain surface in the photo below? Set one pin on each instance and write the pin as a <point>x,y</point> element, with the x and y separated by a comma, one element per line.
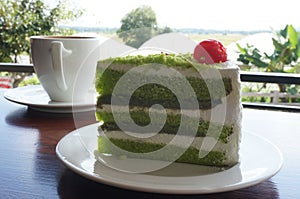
<point>29,167</point>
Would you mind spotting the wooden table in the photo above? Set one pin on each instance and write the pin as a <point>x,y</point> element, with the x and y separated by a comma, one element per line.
<point>29,167</point>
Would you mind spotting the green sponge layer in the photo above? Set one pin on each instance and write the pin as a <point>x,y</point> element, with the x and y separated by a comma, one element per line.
<point>191,155</point>
<point>151,93</point>
<point>182,60</point>
<point>170,126</point>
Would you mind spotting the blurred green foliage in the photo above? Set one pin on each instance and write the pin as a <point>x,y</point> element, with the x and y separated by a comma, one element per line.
<point>286,52</point>
<point>20,19</point>
<point>139,26</point>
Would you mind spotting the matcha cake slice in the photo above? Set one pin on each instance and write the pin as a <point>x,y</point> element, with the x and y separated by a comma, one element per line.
<point>119,136</point>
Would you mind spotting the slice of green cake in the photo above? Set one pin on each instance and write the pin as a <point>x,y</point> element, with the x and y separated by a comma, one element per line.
<point>121,117</point>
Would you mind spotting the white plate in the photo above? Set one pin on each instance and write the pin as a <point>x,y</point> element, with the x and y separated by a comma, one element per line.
<point>35,97</point>
<point>260,160</point>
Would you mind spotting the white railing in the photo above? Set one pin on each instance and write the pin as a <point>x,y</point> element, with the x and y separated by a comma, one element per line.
<point>275,95</point>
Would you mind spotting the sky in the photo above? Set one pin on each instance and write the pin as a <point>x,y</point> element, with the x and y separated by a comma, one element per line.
<point>200,14</point>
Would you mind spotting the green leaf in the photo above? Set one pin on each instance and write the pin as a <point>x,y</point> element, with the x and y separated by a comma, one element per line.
<point>297,51</point>
<point>292,36</point>
<point>242,59</point>
<point>284,32</point>
<point>259,63</point>
<point>292,90</point>
<point>242,50</point>
<point>290,70</point>
<point>278,46</point>
<point>256,53</point>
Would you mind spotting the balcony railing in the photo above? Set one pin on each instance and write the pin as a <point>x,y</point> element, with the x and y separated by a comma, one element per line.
<point>12,67</point>
<point>258,77</point>
<point>265,77</point>
<point>278,78</point>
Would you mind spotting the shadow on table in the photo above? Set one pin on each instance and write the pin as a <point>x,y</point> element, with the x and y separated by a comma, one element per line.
<point>75,186</point>
<point>35,119</point>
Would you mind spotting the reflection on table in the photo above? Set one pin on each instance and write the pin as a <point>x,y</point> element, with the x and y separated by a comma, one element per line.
<point>29,167</point>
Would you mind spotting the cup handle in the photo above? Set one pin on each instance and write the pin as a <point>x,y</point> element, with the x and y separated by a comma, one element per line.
<point>58,52</point>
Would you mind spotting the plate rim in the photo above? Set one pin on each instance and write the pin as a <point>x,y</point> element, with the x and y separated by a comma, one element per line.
<point>189,190</point>
<point>56,107</point>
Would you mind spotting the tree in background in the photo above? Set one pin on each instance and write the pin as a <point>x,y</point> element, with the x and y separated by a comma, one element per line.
<point>139,26</point>
<point>20,19</point>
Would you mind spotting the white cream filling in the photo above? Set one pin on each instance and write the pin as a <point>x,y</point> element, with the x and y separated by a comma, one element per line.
<point>231,115</point>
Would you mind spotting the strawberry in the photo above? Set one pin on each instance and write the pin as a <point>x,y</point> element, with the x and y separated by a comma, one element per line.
<point>210,51</point>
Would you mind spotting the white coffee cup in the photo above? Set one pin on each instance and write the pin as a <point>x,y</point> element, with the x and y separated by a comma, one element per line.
<point>65,65</point>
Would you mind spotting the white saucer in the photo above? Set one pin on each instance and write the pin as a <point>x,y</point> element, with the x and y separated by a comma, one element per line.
<point>260,160</point>
<point>36,98</point>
